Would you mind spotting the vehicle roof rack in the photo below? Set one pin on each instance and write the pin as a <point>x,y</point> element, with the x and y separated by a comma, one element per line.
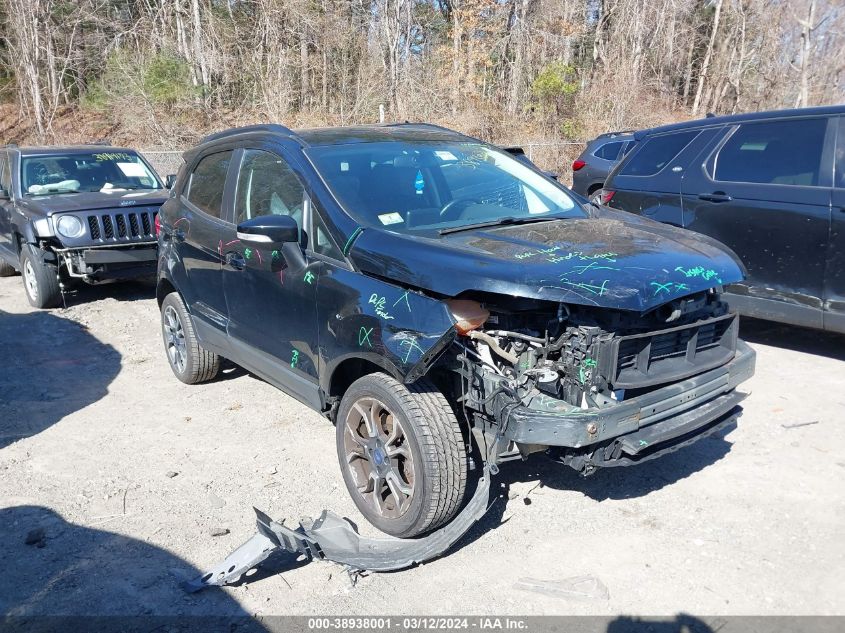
<point>100,141</point>
<point>615,134</point>
<point>262,127</point>
<point>10,146</point>
<point>433,126</point>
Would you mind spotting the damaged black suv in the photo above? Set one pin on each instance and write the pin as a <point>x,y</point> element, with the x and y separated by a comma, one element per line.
<point>443,304</point>
<point>83,213</point>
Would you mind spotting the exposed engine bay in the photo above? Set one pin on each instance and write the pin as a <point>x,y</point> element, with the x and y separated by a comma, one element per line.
<point>576,360</point>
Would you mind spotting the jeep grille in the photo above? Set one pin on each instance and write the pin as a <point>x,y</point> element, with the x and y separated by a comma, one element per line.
<point>122,226</point>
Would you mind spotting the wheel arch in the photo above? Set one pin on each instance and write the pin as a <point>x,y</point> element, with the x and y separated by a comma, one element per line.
<point>163,288</point>
<point>350,369</point>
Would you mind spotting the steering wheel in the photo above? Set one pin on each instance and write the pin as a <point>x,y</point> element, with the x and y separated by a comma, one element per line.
<point>452,209</point>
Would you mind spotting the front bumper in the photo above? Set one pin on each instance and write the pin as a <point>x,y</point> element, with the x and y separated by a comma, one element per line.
<point>635,427</point>
<point>112,262</point>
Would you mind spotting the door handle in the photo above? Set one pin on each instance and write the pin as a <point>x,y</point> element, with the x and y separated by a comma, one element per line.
<point>716,196</point>
<point>235,260</point>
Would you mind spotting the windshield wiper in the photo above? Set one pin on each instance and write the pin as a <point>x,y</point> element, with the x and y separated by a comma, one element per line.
<point>500,222</point>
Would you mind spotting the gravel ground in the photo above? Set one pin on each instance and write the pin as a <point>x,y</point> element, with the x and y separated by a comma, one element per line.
<point>114,478</point>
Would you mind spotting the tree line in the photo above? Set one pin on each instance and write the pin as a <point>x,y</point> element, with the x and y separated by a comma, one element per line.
<point>554,69</point>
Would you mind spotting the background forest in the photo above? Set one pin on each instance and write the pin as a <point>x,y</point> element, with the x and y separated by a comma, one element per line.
<point>161,72</point>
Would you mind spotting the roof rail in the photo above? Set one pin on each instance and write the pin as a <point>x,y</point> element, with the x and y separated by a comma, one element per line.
<point>433,126</point>
<point>615,134</point>
<point>10,146</point>
<point>262,127</point>
<point>100,141</point>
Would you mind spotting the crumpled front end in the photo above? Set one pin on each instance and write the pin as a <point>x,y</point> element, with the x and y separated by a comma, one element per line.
<point>106,244</point>
<point>601,388</point>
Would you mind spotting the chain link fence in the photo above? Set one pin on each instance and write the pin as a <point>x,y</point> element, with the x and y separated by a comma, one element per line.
<point>551,156</point>
<point>164,161</point>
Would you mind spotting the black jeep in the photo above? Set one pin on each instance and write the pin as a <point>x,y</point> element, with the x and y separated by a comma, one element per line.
<point>76,213</point>
<point>443,304</point>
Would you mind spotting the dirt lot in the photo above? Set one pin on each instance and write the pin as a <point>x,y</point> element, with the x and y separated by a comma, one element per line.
<point>128,472</point>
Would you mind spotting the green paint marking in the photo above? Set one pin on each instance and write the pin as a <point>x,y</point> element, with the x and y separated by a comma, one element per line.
<point>699,271</point>
<point>275,255</point>
<point>351,239</point>
<point>309,277</point>
<point>294,358</point>
<point>405,297</point>
<point>643,443</point>
<point>364,337</point>
<point>412,345</point>
<point>667,287</point>
<point>594,289</point>
<point>248,253</point>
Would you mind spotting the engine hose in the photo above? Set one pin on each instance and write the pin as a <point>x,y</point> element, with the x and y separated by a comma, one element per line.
<point>493,344</point>
<point>523,337</point>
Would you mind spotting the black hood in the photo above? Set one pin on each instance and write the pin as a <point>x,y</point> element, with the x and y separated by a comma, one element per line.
<point>612,260</point>
<point>92,200</point>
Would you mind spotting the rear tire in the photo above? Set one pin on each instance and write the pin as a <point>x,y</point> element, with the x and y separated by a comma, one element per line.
<point>401,453</point>
<point>40,279</point>
<point>190,362</point>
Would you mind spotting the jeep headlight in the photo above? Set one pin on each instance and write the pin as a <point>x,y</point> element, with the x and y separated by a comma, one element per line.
<point>69,226</point>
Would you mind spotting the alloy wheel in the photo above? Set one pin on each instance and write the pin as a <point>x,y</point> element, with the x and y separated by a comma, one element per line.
<point>30,280</point>
<point>379,458</point>
<point>175,339</point>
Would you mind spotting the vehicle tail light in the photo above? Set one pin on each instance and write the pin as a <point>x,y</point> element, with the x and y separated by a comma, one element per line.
<point>607,196</point>
<point>578,164</point>
<point>157,224</point>
<point>469,315</point>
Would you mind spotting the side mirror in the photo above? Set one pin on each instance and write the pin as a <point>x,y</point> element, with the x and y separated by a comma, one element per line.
<point>170,180</point>
<point>275,230</point>
<point>269,229</point>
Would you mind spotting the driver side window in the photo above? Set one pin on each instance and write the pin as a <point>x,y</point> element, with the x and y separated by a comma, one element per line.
<point>267,186</point>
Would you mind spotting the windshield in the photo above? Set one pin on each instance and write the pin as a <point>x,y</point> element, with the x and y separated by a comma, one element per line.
<point>429,186</point>
<point>97,171</point>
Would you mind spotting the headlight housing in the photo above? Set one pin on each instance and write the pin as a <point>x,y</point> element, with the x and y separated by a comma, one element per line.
<point>70,226</point>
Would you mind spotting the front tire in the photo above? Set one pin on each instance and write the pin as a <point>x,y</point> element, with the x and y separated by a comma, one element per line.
<point>401,453</point>
<point>190,362</point>
<point>40,279</point>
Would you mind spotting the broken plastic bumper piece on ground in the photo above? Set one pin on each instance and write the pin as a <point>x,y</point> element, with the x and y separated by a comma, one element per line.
<point>333,538</point>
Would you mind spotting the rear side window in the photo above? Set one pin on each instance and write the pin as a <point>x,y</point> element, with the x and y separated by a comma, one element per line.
<point>656,153</point>
<point>608,151</point>
<point>207,181</point>
<point>778,152</point>
<point>5,174</point>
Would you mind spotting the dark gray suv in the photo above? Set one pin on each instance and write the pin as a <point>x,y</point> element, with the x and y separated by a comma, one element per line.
<point>83,213</point>
<point>591,168</point>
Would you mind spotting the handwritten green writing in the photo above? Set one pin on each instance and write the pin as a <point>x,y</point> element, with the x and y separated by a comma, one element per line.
<point>364,337</point>
<point>309,277</point>
<point>404,298</point>
<point>294,358</point>
<point>379,303</point>
<point>699,271</point>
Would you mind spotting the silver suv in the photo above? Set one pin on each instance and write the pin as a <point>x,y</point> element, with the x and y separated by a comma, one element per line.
<point>591,168</point>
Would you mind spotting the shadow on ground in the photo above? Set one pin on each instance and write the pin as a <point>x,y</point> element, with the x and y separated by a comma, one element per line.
<point>51,368</point>
<point>681,623</point>
<point>135,290</point>
<point>792,337</point>
<point>606,483</point>
<point>55,568</point>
